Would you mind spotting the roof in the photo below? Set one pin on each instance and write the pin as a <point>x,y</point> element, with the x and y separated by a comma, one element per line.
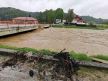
<point>25,18</point>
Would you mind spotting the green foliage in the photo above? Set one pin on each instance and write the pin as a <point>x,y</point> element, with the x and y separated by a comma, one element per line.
<point>103,57</point>
<point>106,23</point>
<point>34,51</point>
<point>90,19</point>
<point>43,17</point>
<point>46,52</point>
<point>102,26</point>
<point>49,16</point>
<point>73,26</point>
<point>6,46</point>
<point>92,26</point>
<point>59,13</point>
<point>76,56</point>
<point>79,56</point>
<point>70,15</point>
<point>9,13</point>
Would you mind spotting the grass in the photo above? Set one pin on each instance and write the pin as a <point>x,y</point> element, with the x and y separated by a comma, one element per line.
<point>25,49</point>
<point>76,56</point>
<point>80,56</point>
<point>98,26</point>
<point>103,57</point>
<point>102,26</point>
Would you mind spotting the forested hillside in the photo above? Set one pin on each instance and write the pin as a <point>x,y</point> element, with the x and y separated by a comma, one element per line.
<point>94,20</point>
<point>8,13</point>
<point>48,16</point>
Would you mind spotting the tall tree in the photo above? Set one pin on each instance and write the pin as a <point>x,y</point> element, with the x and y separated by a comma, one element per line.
<point>70,15</point>
<point>50,16</point>
<point>59,13</point>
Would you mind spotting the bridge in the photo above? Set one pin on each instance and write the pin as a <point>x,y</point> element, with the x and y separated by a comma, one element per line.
<point>14,29</point>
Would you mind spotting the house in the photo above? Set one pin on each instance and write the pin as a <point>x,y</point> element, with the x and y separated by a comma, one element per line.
<point>78,20</point>
<point>24,20</point>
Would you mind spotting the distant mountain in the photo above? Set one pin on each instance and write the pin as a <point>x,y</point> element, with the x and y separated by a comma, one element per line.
<point>8,13</point>
<point>94,20</point>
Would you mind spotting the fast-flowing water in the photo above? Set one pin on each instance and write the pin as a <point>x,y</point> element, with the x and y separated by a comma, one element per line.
<point>79,40</point>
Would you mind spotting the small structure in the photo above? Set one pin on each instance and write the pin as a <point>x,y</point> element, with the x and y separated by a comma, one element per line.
<point>24,20</point>
<point>58,21</point>
<point>78,20</point>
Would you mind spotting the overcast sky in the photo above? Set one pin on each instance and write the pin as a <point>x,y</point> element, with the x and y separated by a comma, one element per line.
<point>96,8</point>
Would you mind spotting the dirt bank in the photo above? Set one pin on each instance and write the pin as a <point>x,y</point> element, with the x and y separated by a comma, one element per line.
<point>80,40</point>
<point>45,71</point>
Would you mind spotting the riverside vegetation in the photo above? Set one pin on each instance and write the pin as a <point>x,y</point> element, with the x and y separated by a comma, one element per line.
<point>76,56</point>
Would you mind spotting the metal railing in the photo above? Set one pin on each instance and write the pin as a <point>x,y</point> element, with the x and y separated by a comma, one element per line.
<point>10,29</point>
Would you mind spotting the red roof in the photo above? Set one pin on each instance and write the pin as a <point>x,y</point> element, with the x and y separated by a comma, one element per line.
<point>25,18</point>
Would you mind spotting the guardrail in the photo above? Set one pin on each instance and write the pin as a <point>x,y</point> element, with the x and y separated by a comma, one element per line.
<point>16,29</point>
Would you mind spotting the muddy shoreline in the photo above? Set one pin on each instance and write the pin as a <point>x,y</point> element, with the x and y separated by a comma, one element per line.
<point>45,72</point>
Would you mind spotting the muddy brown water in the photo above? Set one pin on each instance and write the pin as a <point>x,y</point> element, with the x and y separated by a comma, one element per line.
<point>80,40</point>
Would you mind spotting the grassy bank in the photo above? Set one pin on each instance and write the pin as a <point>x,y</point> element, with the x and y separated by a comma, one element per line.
<point>98,27</point>
<point>76,56</point>
<point>101,57</point>
<point>80,56</point>
<point>102,26</point>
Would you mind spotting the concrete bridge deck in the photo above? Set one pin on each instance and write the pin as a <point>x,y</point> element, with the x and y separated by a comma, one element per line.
<point>13,29</point>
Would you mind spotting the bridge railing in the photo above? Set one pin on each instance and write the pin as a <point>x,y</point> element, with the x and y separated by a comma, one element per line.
<point>12,29</point>
<point>16,27</point>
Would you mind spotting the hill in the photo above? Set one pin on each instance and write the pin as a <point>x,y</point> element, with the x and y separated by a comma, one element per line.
<point>8,13</point>
<point>94,20</point>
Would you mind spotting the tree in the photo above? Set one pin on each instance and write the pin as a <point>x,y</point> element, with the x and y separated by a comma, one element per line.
<point>59,13</point>
<point>45,16</point>
<point>70,15</point>
<point>51,16</point>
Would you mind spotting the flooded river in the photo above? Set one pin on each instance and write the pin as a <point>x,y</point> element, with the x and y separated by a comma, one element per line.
<point>80,40</point>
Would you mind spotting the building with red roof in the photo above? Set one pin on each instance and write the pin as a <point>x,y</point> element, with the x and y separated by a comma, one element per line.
<point>78,20</point>
<point>24,20</point>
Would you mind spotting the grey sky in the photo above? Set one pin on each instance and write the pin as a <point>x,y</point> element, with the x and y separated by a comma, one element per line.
<point>96,8</point>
